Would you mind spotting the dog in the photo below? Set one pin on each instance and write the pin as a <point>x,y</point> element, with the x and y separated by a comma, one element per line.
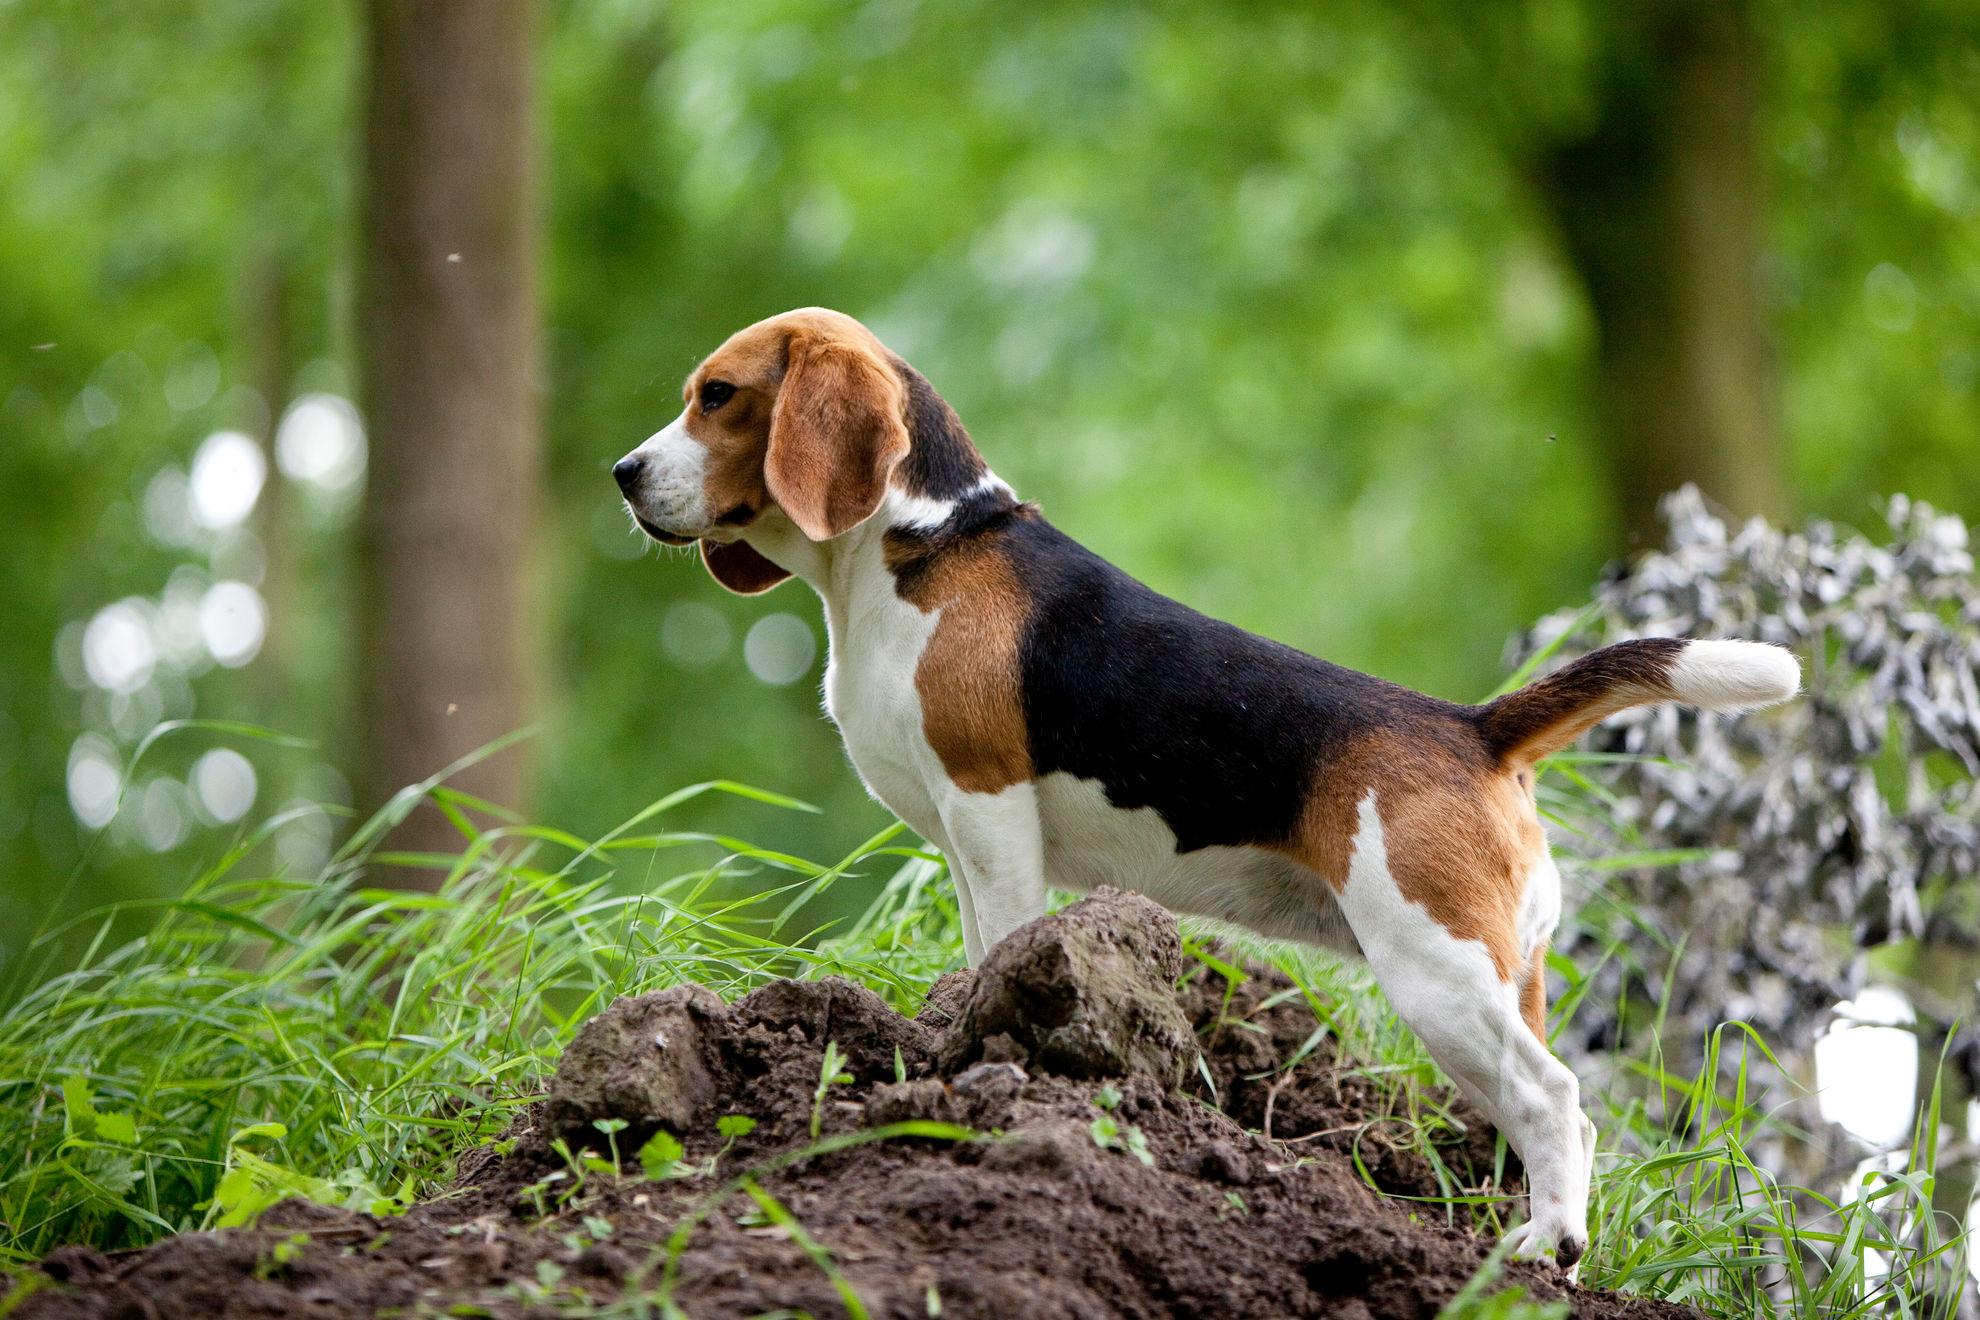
<point>1046,720</point>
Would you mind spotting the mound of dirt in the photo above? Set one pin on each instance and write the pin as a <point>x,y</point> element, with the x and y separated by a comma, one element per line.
<point>1067,1153</point>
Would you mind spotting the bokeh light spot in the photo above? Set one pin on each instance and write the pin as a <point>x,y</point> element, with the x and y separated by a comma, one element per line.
<point>119,651</point>
<point>695,634</point>
<point>95,779</point>
<point>224,783</point>
<point>232,622</point>
<point>161,815</point>
<point>168,508</point>
<point>321,441</point>
<point>779,649</point>
<point>227,474</point>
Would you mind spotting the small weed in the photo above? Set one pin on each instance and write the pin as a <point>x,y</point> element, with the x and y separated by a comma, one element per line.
<point>830,1074</point>
<point>582,1164</point>
<point>1233,976</point>
<point>250,1183</point>
<point>611,1128</point>
<point>664,1157</point>
<point>731,1128</point>
<point>661,1156</point>
<point>86,1123</point>
<point>280,1255</point>
<point>1109,1133</point>
<point>538,1192</point>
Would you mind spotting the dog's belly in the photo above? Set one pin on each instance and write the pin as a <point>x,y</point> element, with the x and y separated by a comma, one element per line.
<point>1090,842</point>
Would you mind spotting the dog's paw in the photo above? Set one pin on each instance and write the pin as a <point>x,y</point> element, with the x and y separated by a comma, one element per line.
<point>1568,1254</point>
<point>1536,1241</point>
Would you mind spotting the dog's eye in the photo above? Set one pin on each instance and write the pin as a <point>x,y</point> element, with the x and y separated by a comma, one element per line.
<point>715,393</point>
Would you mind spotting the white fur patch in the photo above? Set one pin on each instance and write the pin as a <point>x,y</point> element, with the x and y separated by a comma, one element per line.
<point>875,641</point>
<point>1731,676</point>
<point>1090,842</point>
<point>996,859</point>
<point>922,514</point>
<point>670,494</point>
<point>1540,908</point>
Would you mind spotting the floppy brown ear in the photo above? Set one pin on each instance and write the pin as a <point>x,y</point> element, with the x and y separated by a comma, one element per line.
<point>836,433</point>
<point>739,568</point>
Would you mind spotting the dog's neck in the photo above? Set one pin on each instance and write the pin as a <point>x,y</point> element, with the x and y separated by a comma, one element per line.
<point>905,522</point>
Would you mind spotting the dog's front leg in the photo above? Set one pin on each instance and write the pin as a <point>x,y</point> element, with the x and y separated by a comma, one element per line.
<point>996,850</point>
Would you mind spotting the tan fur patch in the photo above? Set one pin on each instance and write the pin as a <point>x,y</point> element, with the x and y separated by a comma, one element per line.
<point>1324,838</point>
<point>737,435</point>
<point>1457,855</point>
<point>972,712</point>
<point>1533,995</point>
<point>1461,838</point>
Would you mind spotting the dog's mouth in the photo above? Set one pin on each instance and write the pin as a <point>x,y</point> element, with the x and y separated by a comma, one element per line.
<point>663,537</point>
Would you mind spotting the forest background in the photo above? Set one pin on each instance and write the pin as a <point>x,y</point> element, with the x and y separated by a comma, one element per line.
<point>1375,328</point>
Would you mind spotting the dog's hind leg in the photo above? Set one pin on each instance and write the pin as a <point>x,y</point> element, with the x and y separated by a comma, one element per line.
<point>1533,1002</point>
<point>1473,1021</point>
<point>996,851</point>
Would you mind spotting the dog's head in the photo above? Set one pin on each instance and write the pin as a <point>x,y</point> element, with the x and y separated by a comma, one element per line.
<point>802,413</point>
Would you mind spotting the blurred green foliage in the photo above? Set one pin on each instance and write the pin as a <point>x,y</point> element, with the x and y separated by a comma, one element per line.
<point>1258,301</point>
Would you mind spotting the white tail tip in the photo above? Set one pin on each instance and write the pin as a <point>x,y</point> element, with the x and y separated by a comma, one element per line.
<point>1725,675</point>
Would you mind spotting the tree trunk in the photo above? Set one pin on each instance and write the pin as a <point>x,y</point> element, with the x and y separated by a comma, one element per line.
<point>1662,208</point>
<point>447,338</point>
<point>269,329</point>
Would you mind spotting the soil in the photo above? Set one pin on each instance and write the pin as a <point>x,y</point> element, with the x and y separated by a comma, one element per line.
<point>1106,1177</point>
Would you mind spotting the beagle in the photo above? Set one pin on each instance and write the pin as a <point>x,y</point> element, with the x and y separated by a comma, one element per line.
<point>1046,720</point>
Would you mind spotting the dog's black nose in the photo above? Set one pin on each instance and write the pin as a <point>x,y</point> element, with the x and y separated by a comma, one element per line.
<point>627,471</point>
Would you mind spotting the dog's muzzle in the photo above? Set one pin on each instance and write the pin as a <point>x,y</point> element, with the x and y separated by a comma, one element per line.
<point>627,472</point>
<point>663,537</point>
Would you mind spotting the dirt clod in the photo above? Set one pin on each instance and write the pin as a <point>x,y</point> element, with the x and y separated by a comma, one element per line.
<point>1101,1181</point>
<point>1086,992</point>
<point>644,1060</point>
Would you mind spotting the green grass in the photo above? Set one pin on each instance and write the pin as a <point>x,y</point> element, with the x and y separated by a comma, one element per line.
<point>359,1036</point>
<point>272,1034</point>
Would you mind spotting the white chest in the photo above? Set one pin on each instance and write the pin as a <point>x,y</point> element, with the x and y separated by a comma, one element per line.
<point>875,645</point>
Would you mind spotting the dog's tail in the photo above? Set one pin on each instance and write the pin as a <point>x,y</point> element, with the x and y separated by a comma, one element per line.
<point>1549,713</point>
